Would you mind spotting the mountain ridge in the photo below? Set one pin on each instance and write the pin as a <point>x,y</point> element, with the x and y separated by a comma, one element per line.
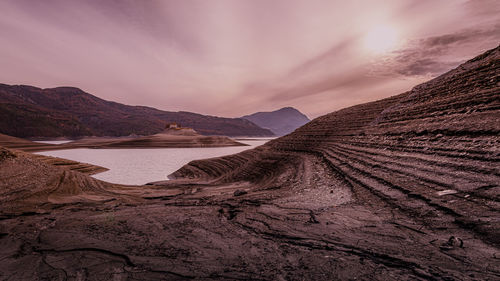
<point>281,122</point>
<point>28,111</point>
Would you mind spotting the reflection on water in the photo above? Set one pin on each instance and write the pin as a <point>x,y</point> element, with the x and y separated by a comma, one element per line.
<point>140,166</point>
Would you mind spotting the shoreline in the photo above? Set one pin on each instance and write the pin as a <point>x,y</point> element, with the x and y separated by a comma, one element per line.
<point>154,141</point>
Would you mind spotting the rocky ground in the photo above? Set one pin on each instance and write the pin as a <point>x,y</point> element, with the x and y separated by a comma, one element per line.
<point>405,188</point>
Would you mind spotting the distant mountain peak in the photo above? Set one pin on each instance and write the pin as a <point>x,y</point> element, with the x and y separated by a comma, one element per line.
<point>287,108</point>
<point>281,122</point>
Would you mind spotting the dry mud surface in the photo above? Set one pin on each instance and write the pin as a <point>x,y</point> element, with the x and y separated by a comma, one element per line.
<point>405,188</point>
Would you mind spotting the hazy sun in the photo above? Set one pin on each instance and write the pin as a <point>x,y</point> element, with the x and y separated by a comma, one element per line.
<point>381,39</point>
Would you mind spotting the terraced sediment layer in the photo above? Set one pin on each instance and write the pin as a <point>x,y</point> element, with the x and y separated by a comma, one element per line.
<point>30,183</point>
<point>19,144</point>
<point>405,188</point>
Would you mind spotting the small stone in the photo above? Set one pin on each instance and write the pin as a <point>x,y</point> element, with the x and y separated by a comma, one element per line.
<point>239,192</point>
<point>446,192</point>
<point>453,242</point>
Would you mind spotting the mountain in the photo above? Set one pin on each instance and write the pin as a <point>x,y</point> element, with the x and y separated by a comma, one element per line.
<point>280,122</point>
<point>27,111</point>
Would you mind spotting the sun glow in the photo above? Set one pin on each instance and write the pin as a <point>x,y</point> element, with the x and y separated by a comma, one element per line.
<point>381,39</point>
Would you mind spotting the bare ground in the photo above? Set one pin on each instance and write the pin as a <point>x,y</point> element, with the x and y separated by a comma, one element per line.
<point>321,230</point>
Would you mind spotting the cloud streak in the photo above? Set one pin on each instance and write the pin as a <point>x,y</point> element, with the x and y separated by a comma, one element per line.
<point>435,55</point>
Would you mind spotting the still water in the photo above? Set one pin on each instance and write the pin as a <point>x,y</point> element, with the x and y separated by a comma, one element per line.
<point>54,141</point>
<point>140,166</point>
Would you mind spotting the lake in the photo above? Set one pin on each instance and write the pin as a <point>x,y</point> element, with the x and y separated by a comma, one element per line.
<point>53,141</point>
<point>142,165</point>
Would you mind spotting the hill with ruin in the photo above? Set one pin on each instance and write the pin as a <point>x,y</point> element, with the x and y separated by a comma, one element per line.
<point>27,111</point>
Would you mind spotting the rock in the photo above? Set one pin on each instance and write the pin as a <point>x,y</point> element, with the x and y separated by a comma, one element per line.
<point>452,243</point>
<point>446,192</point>
<point>239,192</point>
<point>5,154</point>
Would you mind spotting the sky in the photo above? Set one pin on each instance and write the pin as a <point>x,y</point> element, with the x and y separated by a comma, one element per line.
<point>235,57</point>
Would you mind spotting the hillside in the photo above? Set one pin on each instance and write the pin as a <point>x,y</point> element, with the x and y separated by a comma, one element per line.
<point>280,122</point>
<point>27,111</point>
